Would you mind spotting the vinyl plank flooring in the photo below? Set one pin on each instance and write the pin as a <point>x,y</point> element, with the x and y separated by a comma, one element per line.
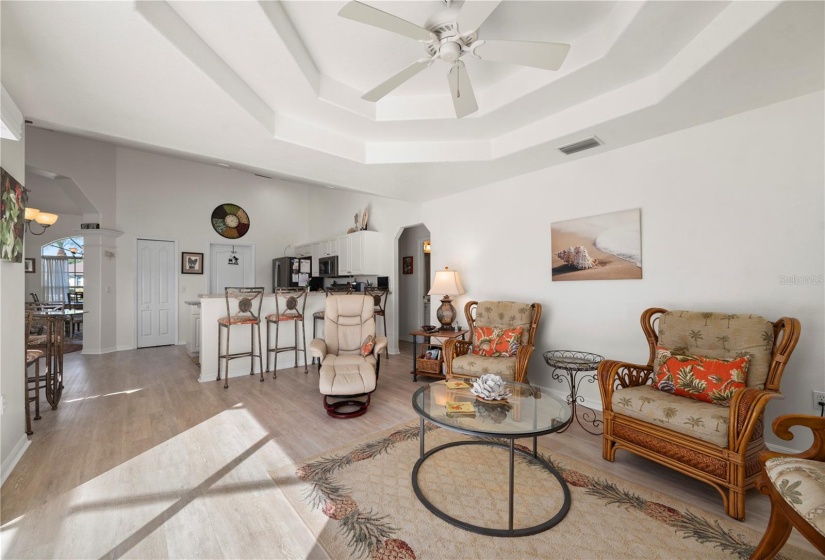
<point>142,461</point>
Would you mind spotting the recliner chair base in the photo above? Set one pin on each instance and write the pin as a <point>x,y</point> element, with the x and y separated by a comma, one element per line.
<point>333,408</point>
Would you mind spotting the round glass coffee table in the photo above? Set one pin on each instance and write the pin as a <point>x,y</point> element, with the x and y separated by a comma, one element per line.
<point>529,414</point>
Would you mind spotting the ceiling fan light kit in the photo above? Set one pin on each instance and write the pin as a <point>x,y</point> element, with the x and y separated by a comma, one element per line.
<point>451,37</point>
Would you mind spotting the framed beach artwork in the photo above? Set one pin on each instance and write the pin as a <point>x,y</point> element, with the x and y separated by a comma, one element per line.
<point>603,247</point>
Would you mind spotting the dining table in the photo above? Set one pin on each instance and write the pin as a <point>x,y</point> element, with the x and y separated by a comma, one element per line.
<point>55,328</point>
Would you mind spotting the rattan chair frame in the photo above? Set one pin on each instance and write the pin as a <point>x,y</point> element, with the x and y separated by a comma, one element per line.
<point>454,347</point>
<point>731,470</point>
<point>783,516</point>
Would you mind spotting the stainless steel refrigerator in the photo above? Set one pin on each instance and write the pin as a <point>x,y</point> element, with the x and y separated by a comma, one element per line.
<point>291,272</point>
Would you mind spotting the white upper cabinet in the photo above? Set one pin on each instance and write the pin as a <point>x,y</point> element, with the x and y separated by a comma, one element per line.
<point>359,253</point>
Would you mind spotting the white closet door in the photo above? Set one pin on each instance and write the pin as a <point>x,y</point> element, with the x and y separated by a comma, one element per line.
<point>157,301</point>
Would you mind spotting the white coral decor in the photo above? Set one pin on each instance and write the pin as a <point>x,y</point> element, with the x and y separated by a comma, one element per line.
<point>490,387</point>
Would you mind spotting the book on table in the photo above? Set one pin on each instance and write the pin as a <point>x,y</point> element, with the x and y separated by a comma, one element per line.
<point>457,385</point>
<point>460,407</point>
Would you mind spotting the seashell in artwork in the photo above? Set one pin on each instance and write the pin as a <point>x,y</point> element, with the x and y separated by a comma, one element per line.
<point>577,257</point>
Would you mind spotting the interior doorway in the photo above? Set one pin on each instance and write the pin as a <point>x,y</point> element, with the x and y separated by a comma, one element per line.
<point>413,280</point>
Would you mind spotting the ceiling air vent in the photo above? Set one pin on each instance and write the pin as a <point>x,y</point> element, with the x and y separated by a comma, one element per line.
<point>263,176</point>
<point>580,146</point>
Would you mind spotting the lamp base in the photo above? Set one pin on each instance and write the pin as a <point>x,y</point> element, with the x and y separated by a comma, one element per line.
<point>446,314</point>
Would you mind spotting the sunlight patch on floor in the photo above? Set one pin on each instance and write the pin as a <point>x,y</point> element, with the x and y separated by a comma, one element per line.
<point>129,392</point>
<point>203,493</point>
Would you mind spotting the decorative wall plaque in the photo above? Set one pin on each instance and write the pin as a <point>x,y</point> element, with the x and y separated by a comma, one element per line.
<point>230,221</point>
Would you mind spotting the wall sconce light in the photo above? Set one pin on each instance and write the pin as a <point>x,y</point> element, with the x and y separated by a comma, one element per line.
<point>43,218</point>
<point>427,247</point>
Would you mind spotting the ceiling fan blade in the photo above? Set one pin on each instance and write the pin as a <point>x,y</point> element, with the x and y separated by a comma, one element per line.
<point>548,56</point>
<point>461,90</point>
<point>362,13</point>
<point>473,13</point>
<point>386,87</point>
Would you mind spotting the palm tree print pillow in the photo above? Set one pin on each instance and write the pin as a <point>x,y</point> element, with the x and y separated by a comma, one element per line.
<point>710,380</point>
<point>496,342</point>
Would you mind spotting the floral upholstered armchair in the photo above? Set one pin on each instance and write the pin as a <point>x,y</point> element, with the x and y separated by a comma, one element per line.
<point>502,334</point>
<point>795,484</point>
<point>696,406</point>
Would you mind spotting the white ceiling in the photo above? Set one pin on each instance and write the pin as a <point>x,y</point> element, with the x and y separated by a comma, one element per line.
<point>274,87</point>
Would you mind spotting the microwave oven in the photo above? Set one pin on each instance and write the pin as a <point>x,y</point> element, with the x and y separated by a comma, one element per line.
<point>328,266</point>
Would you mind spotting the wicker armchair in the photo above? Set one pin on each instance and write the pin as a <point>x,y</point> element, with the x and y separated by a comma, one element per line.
<point>796,486</point>
<point>506,314</point>
<point>712,443</point>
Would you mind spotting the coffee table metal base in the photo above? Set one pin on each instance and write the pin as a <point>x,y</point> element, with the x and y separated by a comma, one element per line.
<point>511,532</point>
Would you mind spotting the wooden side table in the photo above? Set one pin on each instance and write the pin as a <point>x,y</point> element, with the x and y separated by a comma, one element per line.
<point>427,336</point>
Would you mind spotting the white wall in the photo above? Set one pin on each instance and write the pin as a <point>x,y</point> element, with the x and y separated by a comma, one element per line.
<point>727,209</point>
<point>13,440</point>
<point>91,166</point>
<point>410,285</point>
<point>162,197</point>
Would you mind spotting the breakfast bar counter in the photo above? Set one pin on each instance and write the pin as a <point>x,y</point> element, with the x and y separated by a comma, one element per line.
<point>213,307</point>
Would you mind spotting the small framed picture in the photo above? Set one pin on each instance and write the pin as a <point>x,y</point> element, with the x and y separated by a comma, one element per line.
<point>191,263</point>
<point>28,265</point>
<point>407,265</point>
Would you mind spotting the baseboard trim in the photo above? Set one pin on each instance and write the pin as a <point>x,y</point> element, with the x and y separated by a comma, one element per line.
<point>14,457</point>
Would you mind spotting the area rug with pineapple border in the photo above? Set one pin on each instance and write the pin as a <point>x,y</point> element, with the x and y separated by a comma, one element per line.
<point>359,503</point>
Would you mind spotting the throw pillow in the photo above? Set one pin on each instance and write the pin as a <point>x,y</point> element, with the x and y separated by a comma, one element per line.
<point>367,345</point>
<point>496,341</point>
<point>710,380</point>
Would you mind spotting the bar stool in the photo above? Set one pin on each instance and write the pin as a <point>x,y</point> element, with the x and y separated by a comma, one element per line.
<point>249,302</point>
<point>294,304</point>
<point>319,315</point>
<point>32,358</point>
<point>379,296</point>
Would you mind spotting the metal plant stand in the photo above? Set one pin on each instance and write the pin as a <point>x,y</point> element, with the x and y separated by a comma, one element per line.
<point>573,363</point>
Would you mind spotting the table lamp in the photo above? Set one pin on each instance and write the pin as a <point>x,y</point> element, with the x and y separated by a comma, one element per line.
<point>446,283</point>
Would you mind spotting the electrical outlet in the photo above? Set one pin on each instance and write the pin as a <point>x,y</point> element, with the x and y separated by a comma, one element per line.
<point>819,397</point>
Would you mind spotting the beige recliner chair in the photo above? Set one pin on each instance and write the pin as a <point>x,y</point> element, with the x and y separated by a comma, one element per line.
<point>345,372</point>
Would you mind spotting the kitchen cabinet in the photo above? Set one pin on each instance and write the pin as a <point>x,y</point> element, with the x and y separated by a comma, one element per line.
<point>303,250</point>
<point>344,267</point>
<point>359,253</point>
<point>316,252</point>
<point>329,247</point>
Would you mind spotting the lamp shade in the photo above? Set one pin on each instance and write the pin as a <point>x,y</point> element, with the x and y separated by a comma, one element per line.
<point>45,219</point>
<point>446,282</point>
<point>31,213</point>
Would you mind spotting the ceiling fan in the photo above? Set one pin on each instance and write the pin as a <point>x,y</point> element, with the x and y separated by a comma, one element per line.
<point>450,40</point>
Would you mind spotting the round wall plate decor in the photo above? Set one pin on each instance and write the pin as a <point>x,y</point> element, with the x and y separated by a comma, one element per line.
<point>230,221</point>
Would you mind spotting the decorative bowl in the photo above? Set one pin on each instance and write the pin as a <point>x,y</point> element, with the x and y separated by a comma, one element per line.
<point>490,387</point>
<point>429,328</point>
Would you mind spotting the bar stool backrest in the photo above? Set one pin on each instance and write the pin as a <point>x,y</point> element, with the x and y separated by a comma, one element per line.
<point>341,289</point>
<point>290,303</point>
<point>249,301</point>
<point>379,296</point>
